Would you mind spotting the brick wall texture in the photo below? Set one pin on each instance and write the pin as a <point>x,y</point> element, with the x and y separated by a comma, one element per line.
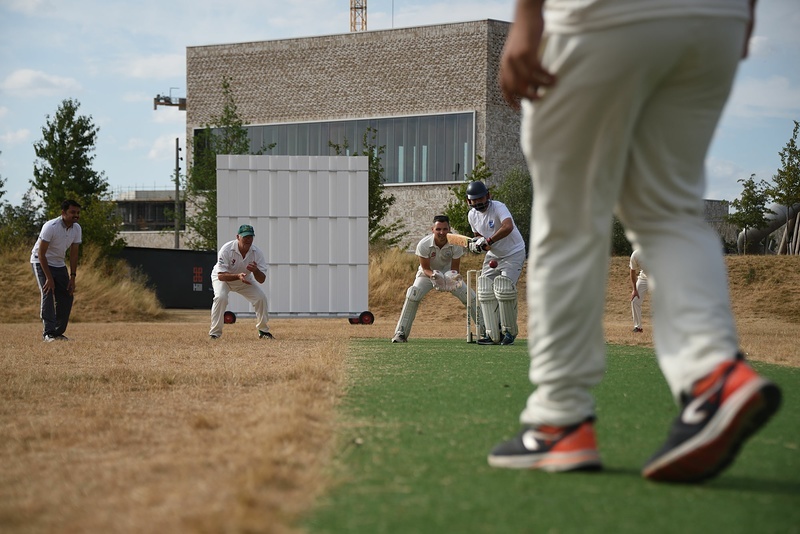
<point>425,70</point>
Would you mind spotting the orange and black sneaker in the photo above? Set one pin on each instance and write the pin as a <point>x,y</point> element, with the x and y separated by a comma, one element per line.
<point>723,410</point>
<point>550,448</point>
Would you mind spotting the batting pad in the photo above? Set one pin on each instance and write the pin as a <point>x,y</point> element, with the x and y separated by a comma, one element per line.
<point>506,295</point>
<point>488,304</point>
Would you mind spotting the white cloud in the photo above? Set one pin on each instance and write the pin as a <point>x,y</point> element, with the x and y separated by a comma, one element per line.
<point>169,115</point>
<point>15,137</point>
<point>134,143</point>
<point>31,83</point>
<point>164,147</point>
<point>159,66</point>
<point>774,97</point>
<point>3,111</point>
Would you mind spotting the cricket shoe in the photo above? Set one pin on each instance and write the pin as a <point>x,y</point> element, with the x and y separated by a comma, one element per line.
<point>508,339</point>
<point>265,335</point>
<point>637,330</point>
<point>550,448</point>
<point>722,411</point>
<point>49,338</point>
<point>399,338</point>
<point>213,337</point>
<point>486,340</point>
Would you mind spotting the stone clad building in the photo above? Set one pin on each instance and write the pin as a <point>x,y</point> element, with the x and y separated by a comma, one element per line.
<point>430,92</point>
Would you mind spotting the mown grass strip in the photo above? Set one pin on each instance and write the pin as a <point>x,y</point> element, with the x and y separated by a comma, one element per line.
<point>420,417</point>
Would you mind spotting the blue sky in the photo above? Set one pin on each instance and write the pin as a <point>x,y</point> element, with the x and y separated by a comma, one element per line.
<point>114,57</point>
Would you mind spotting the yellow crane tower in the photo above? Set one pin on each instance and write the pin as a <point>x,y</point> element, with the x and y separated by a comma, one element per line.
<point>358,15</point>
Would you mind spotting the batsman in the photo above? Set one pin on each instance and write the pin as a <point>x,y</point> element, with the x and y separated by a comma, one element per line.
<point>498,236</point>
<point>439,261</point>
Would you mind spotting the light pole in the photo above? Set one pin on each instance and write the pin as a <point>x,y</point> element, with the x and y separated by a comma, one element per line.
<point>177,193</point>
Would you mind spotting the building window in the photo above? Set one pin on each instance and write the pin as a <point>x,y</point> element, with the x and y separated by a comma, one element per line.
<point>424,148</point>
<point>149,215</point>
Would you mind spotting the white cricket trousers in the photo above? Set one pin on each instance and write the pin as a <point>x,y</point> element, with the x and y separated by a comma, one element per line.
<point>628,124</point>
<point>251,292</point>
<point>636,302</point>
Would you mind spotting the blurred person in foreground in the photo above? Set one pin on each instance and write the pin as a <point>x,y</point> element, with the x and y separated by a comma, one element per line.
<point>56,284</point>
<point>620,99</point>
<point>239,265</point>
<point>439,264</point>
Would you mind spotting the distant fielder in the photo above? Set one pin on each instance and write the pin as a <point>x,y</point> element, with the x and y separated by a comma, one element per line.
<point>239,265</point>
<point>497,235</point>
<point>638,289</point>
<point>439,262</point>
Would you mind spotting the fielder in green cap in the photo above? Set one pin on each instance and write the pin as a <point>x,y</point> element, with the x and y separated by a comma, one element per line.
<point>241,267</point>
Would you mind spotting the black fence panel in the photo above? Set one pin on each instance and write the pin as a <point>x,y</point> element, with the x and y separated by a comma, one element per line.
<point>180,278</point>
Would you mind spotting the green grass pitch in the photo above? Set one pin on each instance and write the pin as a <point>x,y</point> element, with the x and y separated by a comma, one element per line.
<point>420,417</point>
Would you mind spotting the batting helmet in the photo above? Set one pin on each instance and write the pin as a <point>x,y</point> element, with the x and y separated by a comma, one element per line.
<point>476,189</point>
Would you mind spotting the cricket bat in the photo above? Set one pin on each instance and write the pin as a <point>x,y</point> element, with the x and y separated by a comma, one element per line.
<point>460,240</point>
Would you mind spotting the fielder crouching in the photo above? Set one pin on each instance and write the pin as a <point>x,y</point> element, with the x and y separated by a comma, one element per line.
<point>240,265</point>
<point>439,262</point>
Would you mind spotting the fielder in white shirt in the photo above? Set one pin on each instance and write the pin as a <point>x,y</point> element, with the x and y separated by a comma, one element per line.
<point>639,289</point>
<point>240,266</point>
<point>56,285</point>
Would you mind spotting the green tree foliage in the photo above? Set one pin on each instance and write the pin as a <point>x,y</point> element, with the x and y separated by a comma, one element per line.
<point>457,207</point>
<point>620,246</point>
<point>516,192</point>
<point>225,134</point>
<point>750,207</point>
<point>63,170</point>
<point>785,188</point>
<point>19,224</point>
<point>64,159</point>
<point>380,201</point>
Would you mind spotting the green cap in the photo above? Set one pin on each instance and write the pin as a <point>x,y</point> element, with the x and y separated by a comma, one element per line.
<point>245,230</point>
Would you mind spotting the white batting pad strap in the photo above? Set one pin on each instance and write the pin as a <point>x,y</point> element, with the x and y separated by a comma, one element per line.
<point>506,295</point>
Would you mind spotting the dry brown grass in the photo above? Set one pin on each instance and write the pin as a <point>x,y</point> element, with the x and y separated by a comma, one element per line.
<point>156,429</point>
<point>150,427</point>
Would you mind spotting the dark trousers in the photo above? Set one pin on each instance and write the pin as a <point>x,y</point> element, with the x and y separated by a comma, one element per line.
<point>56,304</point>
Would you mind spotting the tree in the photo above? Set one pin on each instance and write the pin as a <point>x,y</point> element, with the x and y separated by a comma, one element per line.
<point>516,192</point>
<point>457,207</point>
<point>2,184</point>
<point>786,183</point>
<point>379,200</point>
<point>750,207</point>
<point>63,170</point>
<point>225,134</point>
<point>19,225</point>
<point>620,246</point>
<point>65,156</point>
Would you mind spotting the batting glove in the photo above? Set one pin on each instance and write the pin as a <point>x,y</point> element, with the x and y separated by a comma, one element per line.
<point>476,245</point>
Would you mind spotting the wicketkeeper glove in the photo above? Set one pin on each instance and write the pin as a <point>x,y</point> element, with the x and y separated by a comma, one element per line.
<point>438,280</point>
<point>476,245</point>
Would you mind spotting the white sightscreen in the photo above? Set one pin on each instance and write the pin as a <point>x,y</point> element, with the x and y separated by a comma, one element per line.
<point>310,215</point>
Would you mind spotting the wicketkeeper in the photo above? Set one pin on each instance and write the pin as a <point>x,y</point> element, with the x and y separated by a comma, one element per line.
<point>439,262</point>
